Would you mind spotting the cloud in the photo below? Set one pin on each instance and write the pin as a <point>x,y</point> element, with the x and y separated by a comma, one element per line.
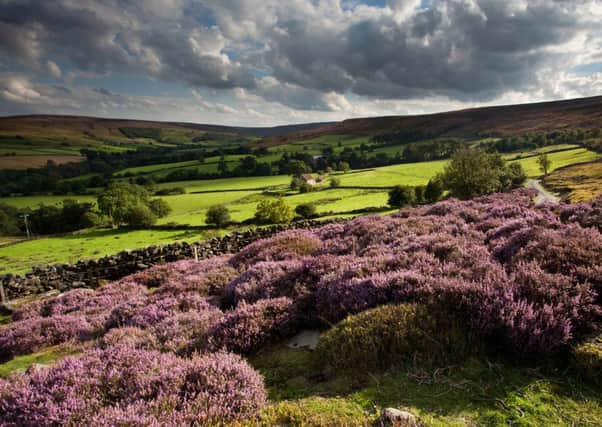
<point>53,69</point>
<point>324,56</point>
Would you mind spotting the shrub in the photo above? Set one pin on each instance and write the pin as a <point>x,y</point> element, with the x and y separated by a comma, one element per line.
<point>393,334</point>
<point>128,336</point>
<point>401,196</point>
<point>273,212</point>
<point>140,216</point>
<point>335,182</point>
<point>159,207</point>
<point>433,190</point>
<point>250,326</point>
<point>306,210</point>
<point>419,192</point>
<point>31,335</point>
<point>131,386</point>
<point>218,215</point>
<point>170,191</point>
<point>286,245</point>
<point>306,188</point>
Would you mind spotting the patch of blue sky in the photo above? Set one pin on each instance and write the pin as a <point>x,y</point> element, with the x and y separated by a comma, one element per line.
<point>136,84</point>
<point>587,69</point>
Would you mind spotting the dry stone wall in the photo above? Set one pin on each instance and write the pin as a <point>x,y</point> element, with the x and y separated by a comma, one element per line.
<point>91,273</point>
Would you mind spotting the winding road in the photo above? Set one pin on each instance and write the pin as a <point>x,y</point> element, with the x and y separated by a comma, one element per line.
<point>543,195</point>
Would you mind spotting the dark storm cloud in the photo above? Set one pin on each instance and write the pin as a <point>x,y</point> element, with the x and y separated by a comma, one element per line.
<point>117,35</point>
<point>451,49</point>
<point>304,53</point>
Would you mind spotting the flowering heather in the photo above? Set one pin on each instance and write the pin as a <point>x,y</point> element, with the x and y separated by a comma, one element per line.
<point>521,279</point>
<point>123,384</point>
<point>30,335</point>
<point>250,326</point>
<point>206,277</point>
<point>290,244</point>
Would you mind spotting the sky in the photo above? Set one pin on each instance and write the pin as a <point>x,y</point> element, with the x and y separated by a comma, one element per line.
<point>271,62</point>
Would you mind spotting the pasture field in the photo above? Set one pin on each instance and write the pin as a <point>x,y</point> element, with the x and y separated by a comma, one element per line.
<point>559,159</point>
<point>21,257</point>
<point>360,190</point>
<point>578,183</point>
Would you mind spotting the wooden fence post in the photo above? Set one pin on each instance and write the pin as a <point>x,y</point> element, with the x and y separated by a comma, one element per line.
<point>3,295</point>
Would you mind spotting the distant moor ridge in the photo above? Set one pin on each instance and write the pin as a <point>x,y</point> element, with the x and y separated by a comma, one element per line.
<point>584,113</point>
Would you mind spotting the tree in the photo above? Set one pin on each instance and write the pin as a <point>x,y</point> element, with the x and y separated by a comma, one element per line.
<point>402,195</point>
<point>473,172</point>
<point>433,190</point>
<point>159,207</point>
<point>298,167</point>
<point>343,166</point>
<point>544,163</point>
<point>513,176</point>
<point>117,200</point>
<point>140,216</point>
<point>9,220</point>
<point>218,215</point>
<point>306,188</point>
<point>273,212</point>
<point>419,193</point>
<point>296,182</point>
<point>222,166</point>
<point>306,210</point>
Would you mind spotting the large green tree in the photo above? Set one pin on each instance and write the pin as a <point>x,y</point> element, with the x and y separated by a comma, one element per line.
<point>129,204</point>
<point>474,172</point>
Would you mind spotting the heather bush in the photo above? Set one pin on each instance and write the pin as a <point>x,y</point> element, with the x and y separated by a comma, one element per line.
<point>129,336</point>
<point>146,311</point>
<point>286,245</point>
<point>130,386</point>
<point>27,336</point>
<point>250,326</point>
<point>394,334</point>
<point>183,332</point>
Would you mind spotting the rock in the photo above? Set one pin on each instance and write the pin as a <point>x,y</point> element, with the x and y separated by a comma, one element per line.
<point>391,417</point>
<point>306,338</point>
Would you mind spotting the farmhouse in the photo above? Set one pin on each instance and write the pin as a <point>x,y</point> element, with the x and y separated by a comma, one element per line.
<point>308,179</point>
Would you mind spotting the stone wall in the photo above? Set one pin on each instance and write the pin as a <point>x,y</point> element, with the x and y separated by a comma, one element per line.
<point>90,273</point>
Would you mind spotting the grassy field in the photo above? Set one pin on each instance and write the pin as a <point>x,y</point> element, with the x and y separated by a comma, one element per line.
<point>474,392</point>
<point>360,189</point>
<point>559,159</point>
<point>20,257</point>
<point>578,183</point>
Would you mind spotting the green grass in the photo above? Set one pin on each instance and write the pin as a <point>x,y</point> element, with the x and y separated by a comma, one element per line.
<point>474,392</point>
<point>4,319</point>
<point>33,201</point>
<point>241,195</point>
<point>388,176</point>
<point>20,257</point>
<point>46,356</point>
<point>559,159</point>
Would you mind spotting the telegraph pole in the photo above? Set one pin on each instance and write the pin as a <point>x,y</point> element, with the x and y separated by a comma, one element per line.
<point>25,217</point>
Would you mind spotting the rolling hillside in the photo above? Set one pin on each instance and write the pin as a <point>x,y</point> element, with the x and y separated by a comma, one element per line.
<point>585,113</point>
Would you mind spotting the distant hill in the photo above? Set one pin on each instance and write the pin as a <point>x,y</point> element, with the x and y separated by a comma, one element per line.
<point>95,129</point>
<point>584,113</point>
<point>67,134</point>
